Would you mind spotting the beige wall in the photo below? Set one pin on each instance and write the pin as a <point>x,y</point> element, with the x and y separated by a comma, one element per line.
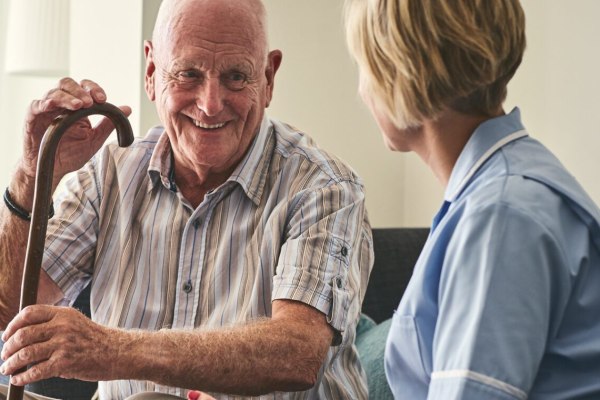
<point>557,89</point>
<point>316,91</point>
<point>106,46</point>
<point>558,86</point>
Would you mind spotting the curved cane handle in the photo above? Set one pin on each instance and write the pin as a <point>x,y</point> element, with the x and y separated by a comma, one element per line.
<point>43,196</point>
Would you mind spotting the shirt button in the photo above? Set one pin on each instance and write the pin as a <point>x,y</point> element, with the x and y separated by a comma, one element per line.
<point>197,223</point>
<point>344,251</point>
<point>187,287</point>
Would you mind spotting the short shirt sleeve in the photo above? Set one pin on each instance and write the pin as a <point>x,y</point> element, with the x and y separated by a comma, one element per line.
<point>327,245</point>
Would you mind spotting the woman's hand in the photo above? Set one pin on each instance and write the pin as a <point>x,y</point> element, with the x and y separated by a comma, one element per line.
<point>196,395</point>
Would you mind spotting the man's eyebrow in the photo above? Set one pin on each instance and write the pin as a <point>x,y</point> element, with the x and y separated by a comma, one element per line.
<point>185,64</point>
<point>244,67</point>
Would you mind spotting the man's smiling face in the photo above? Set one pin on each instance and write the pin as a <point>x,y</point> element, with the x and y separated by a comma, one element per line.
<point>211,78</point>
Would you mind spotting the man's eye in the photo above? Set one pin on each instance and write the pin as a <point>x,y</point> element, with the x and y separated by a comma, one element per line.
<point>235,80</point>
<point>188,76</point>
<point>237,76</point>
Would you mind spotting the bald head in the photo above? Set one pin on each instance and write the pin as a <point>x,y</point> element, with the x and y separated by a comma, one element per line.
<point>248,16</point>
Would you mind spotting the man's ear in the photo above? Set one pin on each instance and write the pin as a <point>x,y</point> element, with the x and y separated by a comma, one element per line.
<point>273,63</point>
<point>150,70</point>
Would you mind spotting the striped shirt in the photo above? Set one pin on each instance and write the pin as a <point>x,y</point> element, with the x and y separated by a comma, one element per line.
<point>289,223</point>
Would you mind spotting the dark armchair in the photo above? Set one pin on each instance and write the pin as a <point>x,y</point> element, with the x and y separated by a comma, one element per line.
<point>396,252</point>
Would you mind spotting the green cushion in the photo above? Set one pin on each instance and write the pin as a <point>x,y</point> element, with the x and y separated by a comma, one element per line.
<point>370,342</point>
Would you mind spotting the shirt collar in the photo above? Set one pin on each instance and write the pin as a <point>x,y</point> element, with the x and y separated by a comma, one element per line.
<point>487,138</point>
<point>250,173</point>
<point>161,163</point>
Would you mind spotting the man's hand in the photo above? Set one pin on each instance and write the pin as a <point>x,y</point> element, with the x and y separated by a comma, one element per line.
<point>57,342</point>
<point>81,141</point>
<point>76,147</point>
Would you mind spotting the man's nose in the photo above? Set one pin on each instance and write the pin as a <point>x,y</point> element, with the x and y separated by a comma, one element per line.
<point>210,97</point>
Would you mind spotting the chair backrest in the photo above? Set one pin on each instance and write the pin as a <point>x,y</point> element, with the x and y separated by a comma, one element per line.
<point>396,252</point>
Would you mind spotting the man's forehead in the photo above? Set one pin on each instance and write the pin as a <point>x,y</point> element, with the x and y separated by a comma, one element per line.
<point>246,12</point>
<point>211,20</point>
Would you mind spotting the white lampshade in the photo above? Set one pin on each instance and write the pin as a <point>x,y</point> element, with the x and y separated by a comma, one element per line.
<point>38,37</point>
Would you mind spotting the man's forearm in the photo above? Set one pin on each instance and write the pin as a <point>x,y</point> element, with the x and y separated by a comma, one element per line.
<point>13,243</point>
<point>262,357</point>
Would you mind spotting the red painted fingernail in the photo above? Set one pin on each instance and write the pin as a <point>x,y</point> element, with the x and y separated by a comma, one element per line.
<point>193,395</point>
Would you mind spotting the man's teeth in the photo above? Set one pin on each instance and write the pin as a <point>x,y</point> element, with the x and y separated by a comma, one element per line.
<point>206,126</point>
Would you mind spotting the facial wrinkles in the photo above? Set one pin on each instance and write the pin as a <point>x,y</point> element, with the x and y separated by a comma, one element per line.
<point>208,55</point>
<point>220,63</point>
<point>212,39</point>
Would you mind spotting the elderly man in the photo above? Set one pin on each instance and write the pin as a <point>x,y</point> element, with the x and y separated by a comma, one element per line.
<point>226,252</point>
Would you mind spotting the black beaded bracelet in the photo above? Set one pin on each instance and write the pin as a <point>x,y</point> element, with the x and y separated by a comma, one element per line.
<point>18,211</point>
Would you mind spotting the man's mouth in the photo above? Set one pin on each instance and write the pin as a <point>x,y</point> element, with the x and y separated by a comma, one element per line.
<point>202,125</point>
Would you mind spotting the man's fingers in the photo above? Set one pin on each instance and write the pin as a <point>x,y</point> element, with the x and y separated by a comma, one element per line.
<point>37,372</point>
<point>24,337</point>
<point>103,129</point>
<point>31,315</point>
<point>94,90</point>
<point>78,91</point>
<point>126,110</point>
<point>53,104</point>
<point>29,355</point>
<point>69,95</point>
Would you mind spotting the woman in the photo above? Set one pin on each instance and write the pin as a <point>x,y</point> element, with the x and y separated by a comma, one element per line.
<point>504,302</point>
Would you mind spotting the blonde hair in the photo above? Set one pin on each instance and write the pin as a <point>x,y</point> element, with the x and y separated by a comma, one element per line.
<point>418,57</point>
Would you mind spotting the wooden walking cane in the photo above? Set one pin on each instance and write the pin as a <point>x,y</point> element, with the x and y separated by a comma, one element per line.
<point>43,196</point>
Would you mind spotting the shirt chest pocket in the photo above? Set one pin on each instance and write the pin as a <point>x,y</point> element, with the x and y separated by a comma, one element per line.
<point>404,354</point>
